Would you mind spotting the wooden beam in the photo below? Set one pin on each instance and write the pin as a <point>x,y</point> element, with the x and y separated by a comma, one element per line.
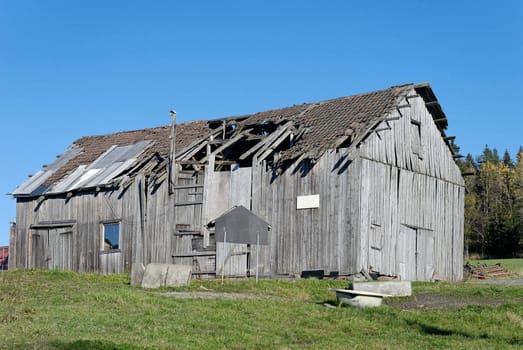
<point>187,233</point>
<point>255,137</point>
<point>440,120</point>
<point>266,140</point>
<point>226,162</point>
<point>431,103</point>
<point>181,187</point>
<point>191,254</point>
<point>208,179</point>
<point>53,224</point>
<point>228,143</point>
<point>185,153</point>
<point>391,118</point>
<point>456,156</point>
<point>172,154</point>
<point>383,129</point>
<point>205,272</point>
<point>268,150</point>
<point>195,150</point>
<point>181,204</point>
<point>449,138</point>
<point>340,140</point>
<point>188,162</point>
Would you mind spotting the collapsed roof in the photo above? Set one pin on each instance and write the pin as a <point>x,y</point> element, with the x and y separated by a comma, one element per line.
<point>299,131</point>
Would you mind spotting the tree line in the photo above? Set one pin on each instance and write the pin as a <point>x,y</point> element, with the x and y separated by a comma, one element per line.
<point>493,204</point>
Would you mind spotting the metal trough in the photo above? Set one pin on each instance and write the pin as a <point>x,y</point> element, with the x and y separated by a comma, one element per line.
<point>359,298</point>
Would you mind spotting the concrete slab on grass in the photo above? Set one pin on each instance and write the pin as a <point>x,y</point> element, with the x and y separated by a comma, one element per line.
<point>178,275</point>
<point>393,288</point>
<point>166,275</point>
<point>137,271</point>
<point>154,276</point>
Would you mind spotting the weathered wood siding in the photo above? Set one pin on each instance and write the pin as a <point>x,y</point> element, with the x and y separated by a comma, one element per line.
<point>231,188</point>
<point>309,238</point>
<point>222,190</point>
<point>79,248</point>
<point>412,199</point>
<point>423,151</point>
<point>394,204</point>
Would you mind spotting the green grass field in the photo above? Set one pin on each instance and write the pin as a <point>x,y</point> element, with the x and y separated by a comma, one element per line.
<point>62,310</point>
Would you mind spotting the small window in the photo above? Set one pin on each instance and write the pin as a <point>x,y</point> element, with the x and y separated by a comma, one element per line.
<point>415,137</point>
<point>111,236</point>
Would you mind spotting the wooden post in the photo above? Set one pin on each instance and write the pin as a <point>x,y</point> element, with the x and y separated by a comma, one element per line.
<point>257,253</point>
<point>223,262</point>
<point>11,264</point>
<point>172,154</point>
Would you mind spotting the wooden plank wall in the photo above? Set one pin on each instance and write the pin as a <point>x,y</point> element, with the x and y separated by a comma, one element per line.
<point>397,198</point>
<point>318,238</point>
<point>398,178</point>
<point>230,188</point>
<point>20,240</point>
<point>422,190</point>
<point>140,240</point>
<point>394,146</point>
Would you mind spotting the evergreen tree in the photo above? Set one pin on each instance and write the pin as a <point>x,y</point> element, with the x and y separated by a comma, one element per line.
<point>494,204</point>
<point>507,161</point>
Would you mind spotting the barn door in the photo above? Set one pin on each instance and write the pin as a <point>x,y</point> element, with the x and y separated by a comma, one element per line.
<point>406,253</point>
<point>40,250</point>
<point>424,255</point>
<point>375,247</point>
<point>53,249</point>
<point>415,253</point>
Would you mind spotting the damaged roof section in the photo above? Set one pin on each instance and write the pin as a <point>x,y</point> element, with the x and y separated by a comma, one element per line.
<point>310,129</point>
<point>300,131</point>
<point>94,161</point>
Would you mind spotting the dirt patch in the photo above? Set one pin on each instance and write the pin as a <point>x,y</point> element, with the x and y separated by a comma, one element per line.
<point>218,295</point>
<point>210,295</point>
<point>510,282</point>
<point>428,301</point>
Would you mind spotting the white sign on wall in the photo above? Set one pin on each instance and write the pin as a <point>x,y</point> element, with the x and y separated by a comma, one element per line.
<point>308,202</point>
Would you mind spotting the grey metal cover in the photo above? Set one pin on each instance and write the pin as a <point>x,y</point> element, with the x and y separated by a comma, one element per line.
<point>102,170</point>
<point>242,226</point>
<point>34,186</point>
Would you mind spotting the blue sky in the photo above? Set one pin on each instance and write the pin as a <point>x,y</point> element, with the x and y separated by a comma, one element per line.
<point>75,68</point>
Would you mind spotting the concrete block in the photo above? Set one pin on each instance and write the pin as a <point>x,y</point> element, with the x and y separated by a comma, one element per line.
<point>178,275</point>
<point>137,271</point>
<point>358,298</point>
<point>166,275</point>
<point>393,288</point>
<point>154,275</point>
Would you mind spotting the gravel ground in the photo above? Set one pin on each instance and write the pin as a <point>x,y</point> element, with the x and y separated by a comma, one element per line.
<point>517,282</point>
<point>428,301</point>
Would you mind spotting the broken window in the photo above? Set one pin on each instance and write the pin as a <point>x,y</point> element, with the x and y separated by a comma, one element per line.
<point>110,236</point>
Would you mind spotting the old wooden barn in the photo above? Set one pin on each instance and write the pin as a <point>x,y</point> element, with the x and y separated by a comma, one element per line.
<point>360,183</point>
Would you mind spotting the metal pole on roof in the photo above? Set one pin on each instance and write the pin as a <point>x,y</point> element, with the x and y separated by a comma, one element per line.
<point>172,155</point>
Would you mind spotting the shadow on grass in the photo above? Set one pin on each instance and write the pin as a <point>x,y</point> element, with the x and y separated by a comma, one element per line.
<point>433,330</point>
<point>76,345</point>
<point>94,345</point>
